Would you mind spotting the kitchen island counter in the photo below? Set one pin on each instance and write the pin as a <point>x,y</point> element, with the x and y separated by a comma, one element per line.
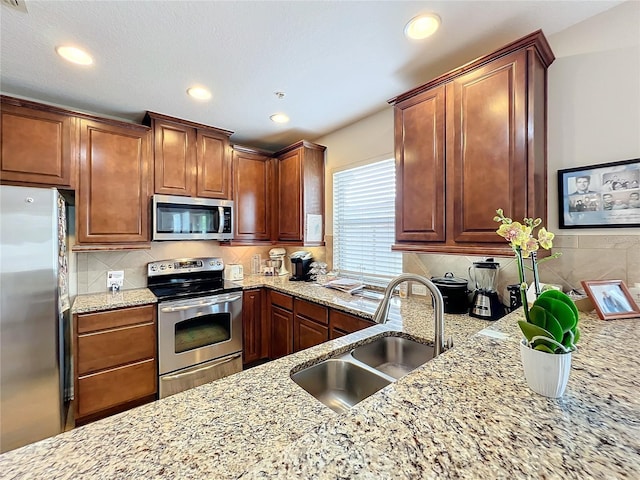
<point>466,414</point>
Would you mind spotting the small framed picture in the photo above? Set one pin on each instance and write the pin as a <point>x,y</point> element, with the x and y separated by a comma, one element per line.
<point>604,195</point>
<point>611,298</point>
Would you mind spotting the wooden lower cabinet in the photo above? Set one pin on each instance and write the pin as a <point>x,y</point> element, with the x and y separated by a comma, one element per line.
<point>296,324</point>
<point>281,324</point>
<point>310,324</point>
<point>341,324</point>
<point>115,361</point>
<point>255,330</point>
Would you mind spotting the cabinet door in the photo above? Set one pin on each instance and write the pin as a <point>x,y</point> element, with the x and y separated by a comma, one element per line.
<point>113,204</point>
<point>290,196</point>
<point>487,147</point>
<point>341,323</point>
<point>420,167</point>
<point>252,194</point>
<point>174,158</point>
<point>213,165</point>
<point>281,332</point>
<point>307,333</point>
<point>253,332</point>
<point>37,146</point>
<point>311,324</point>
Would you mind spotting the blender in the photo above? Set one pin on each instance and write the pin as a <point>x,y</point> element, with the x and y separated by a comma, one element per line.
<point>486,302</point>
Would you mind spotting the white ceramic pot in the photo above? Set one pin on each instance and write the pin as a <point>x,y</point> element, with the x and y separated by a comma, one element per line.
<point>546,373</point>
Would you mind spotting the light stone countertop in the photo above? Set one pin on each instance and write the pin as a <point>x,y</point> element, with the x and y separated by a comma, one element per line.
<point>466,414</point>
<point>94,302</point>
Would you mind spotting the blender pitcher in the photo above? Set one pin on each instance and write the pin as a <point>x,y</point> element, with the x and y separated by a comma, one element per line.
<point>484,275</point>
<point>486,302</point>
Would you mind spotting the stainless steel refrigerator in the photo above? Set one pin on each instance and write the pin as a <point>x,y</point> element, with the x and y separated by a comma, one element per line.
<point>33,286</point>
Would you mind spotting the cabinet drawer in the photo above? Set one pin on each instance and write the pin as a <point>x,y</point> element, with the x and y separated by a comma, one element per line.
<point>348,323</point>
<point>312,311</point>
<point>284,301</point>
<point>110,388</point>
<point>92,322</point>
<point>97,351</point>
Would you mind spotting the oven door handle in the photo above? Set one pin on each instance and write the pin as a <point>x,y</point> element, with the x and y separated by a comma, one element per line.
<point>202,369</point>
<point>227,299</point>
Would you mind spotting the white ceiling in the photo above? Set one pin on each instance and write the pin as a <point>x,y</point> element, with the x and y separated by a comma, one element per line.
<point>337,61</point>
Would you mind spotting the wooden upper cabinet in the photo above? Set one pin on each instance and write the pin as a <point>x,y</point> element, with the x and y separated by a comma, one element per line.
<point>190,159</point>
<point>253,188</point>
<point>38,144</point>
<point>469,142</point>
<point>300,184</point>
<point>175,158</point>
<point>114,186</point>
<point>214,164</point>
<point>420,167</point>
<point>488,148</point>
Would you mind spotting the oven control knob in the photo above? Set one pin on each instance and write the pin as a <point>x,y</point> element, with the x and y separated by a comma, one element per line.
<point>154,268</point>
<point>163,267</point>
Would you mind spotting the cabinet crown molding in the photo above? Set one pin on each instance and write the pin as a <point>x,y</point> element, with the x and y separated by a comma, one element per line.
<point>535,40</point>
<point>166,118</point>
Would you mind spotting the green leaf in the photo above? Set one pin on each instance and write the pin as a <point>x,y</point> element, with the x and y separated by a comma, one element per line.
<point>564,298</point>
<point>530,330</point>
<point>538,316</point>
<point>543,348</point>
<point>554,327</point>
<point>576,338</point>
<point>560,310</point>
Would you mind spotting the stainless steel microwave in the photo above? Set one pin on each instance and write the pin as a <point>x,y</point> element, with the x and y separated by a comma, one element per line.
<point>189,218</point>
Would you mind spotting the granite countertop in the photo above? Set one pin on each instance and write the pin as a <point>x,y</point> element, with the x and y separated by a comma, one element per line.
<point>466,414</point>
<point>94,302</point>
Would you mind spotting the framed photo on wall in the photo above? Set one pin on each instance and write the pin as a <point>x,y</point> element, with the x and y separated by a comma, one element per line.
<point>604,195</point>
<point>611,298</point>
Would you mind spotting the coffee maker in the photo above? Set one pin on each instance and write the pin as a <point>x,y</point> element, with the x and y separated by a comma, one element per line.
<point>486,302</point>
<point>300,265</point>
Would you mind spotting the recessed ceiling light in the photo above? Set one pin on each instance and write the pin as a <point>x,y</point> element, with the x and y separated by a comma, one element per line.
<point>422,26</point>
<point>74,55</point>
<point>279,118</point>
<point>199,93</point>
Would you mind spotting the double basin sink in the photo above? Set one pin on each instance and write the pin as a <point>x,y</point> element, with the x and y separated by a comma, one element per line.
<point>343,381</point>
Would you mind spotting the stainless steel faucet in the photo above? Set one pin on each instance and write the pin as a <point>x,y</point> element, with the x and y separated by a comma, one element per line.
<point>438,306</point>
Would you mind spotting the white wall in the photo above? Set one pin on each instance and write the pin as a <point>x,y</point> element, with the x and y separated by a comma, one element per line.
<point>594,98</point>
<point>363,142</point>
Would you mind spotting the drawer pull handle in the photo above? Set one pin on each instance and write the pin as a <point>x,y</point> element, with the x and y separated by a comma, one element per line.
<point>191,372</point>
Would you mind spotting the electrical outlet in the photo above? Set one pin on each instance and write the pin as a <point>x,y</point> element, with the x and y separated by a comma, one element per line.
<point>418,289</point>
<point>115,277</point>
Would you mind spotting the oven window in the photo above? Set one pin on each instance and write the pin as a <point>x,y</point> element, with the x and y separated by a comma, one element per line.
<point>202,331</point>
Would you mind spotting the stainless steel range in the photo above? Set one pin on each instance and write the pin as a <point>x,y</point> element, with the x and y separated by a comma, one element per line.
<point>199,322</point>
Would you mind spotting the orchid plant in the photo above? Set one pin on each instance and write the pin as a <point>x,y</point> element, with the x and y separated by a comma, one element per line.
<point>552,322</point>
<point>526,245</point>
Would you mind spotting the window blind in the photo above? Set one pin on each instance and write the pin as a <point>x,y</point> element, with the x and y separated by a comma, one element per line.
<point>364,222</point>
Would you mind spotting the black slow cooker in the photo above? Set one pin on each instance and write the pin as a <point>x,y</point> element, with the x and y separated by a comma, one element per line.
<point>454,292</point>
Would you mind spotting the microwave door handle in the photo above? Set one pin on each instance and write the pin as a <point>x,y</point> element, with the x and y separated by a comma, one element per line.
<point>220,219</point>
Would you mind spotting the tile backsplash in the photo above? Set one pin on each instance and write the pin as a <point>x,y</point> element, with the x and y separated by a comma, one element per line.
<point>92,267</point>
<point>584,257</point>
